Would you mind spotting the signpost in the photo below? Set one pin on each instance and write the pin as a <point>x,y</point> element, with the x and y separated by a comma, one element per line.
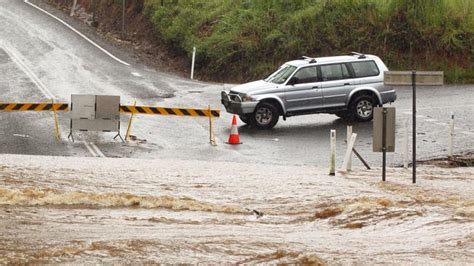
<point>413,78</point>
<point>384,133</point>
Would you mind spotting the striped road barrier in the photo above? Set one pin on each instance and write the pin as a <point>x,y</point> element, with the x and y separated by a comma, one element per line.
<point>33,107</point>
<point>168,111</point>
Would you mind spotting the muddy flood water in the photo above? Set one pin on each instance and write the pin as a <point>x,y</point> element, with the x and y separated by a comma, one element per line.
<point>90,210</point>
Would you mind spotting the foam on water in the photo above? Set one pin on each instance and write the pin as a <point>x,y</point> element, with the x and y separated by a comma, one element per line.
<point>52,197</point>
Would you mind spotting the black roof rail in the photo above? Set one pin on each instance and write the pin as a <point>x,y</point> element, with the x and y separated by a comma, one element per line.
<point>309,59</point>
<point>359,55</point>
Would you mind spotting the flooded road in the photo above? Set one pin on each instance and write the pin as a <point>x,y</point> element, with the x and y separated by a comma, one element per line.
<point>89,210</point>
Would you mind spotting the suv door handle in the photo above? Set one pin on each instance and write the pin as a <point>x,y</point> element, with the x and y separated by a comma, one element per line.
<point>315,87</point>
<point>345,84</point>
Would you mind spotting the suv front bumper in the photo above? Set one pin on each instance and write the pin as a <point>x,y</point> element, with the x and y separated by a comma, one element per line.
<point>233,104</point>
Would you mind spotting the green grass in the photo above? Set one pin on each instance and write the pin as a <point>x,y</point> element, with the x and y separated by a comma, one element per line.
<point>246,39</point>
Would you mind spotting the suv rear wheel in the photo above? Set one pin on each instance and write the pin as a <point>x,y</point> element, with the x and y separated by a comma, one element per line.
<point>266,116</point>
<point>362,107</point>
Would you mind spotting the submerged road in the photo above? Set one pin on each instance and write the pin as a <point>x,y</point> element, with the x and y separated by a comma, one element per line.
<point>42,58</point>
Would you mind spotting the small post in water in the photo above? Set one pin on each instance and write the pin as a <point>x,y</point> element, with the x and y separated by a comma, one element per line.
<point>384,143</point>
<point>451,136</point>
<point>350,146</point>
<point>332,167</point>
<point>192,62</point>
<point>405,144</point>
<point>349,136</point>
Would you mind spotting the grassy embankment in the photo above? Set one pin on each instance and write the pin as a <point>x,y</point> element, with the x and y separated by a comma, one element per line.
<point>246,39</point>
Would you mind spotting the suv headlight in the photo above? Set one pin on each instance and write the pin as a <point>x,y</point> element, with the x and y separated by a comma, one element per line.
<point>247,98</point>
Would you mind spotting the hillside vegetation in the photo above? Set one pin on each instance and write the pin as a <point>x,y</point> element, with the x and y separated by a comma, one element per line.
<point>241,40</point>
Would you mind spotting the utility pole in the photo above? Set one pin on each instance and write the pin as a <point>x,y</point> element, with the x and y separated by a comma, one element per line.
<point>123,19</point>
<point>94,9</point>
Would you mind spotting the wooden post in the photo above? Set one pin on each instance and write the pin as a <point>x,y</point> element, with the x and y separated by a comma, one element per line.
<point>332,167</point>
<point>212,137</point>
<point>451,136</point>
<point>56,123</point>
<point>127,135</point>
<point>348,139</point>
<point>347,157</point>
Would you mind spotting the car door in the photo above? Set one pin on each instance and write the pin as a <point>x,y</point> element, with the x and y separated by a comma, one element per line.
<point>336,84</point>
<point>305,93</point>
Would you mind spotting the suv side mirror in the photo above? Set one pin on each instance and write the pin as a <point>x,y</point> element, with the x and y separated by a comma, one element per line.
<point>293,81</point>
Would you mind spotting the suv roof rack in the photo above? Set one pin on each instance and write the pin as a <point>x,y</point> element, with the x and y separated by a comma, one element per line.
<point>360,56</point>
<point>309,59</point>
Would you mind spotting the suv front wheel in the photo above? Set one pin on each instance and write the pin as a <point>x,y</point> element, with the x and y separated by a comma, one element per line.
<point>266,116</point>
<point>362,107</point>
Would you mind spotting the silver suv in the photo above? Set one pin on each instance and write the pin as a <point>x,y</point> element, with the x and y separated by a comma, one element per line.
<point>347,86</point>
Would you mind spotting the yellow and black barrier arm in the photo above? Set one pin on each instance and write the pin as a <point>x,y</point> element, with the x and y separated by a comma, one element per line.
<point>168,111</point>
<point>33,107</point>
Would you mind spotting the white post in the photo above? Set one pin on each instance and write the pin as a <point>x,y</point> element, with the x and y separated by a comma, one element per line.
<point>451,136</point>
<point>332,167</point>
<point>73,7</point>
<point>192,63</point>
<point>347,157</point>
<point>405,144</point>
<point>349,136</point>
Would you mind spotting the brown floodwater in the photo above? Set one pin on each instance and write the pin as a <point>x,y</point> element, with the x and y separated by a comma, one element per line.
<point>89,210</point>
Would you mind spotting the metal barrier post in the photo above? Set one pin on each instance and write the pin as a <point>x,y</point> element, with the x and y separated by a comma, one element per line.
<point>405,144</point>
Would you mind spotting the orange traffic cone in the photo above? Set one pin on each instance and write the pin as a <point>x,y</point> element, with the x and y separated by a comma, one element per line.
<point>234,137</point>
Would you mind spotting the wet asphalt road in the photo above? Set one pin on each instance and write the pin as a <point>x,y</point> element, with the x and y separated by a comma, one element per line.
<point>40,57</point>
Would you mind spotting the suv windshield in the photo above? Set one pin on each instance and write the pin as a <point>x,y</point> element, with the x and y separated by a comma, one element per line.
<point>281,75</point>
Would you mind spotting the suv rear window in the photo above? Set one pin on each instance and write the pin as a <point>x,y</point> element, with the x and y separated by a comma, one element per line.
<point>334,72</point>
<point>365,69</point>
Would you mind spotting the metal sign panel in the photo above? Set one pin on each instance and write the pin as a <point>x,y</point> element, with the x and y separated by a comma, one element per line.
<point>404,78</point>
<point>95,125</point>
<point>83,106</point>
<point>108,107</point>
<point>378,129</point>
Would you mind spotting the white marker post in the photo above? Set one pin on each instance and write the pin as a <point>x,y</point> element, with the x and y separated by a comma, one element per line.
<point>192,62</point>
<point>405,144</point>
<point>73,7</point>
<point>332,168</point>
<point>347,157</point>
<point>451,136</point>
<point>349,136</point>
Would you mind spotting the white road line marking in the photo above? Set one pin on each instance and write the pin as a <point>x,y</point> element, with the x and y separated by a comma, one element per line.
<point>430,120</point>
<point>136,74</point>
<point>467,133</point>
<point>78,32</point>
<point>441,124</point>
<point>21,63</point>
<point>90,149</point>
<point>99,152</point>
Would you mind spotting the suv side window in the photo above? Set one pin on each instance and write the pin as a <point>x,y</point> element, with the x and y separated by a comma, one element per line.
<point>334,72</point>
<point>307,75</point>
<point>365,69</point>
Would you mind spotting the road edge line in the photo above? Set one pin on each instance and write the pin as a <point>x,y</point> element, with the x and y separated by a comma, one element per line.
<point>78,32</point>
